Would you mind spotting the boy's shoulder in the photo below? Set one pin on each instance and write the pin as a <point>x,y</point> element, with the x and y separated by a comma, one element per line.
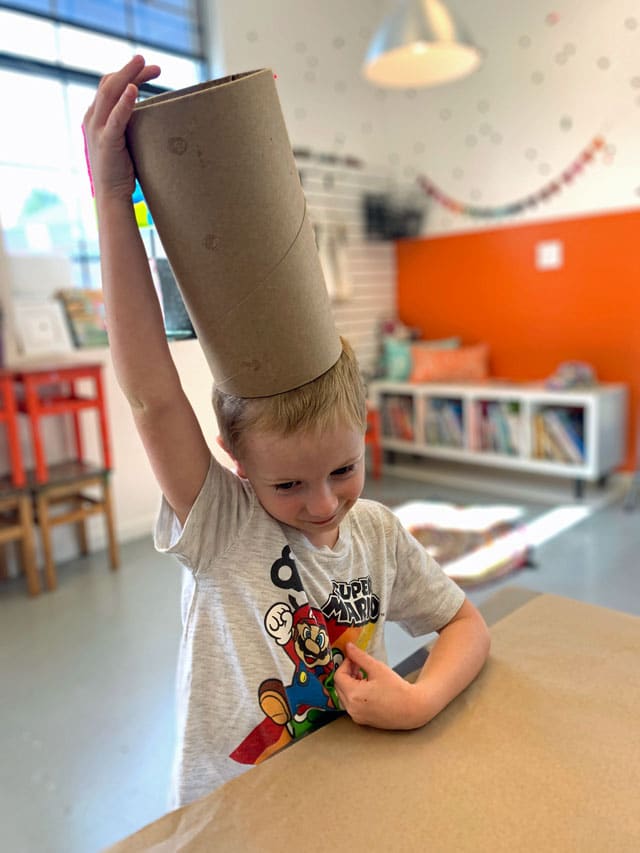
<point>374,512</point>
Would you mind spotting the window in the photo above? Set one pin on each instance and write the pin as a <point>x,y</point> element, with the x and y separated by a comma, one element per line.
<point>52,54</point>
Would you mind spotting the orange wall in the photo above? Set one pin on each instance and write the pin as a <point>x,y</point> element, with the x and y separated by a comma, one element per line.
<point>485,286</point>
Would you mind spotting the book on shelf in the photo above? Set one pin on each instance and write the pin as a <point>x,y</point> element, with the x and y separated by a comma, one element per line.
<point>397,417</point>
<point>558,436</point>
<point>443,423</point>
<point>499,427</point>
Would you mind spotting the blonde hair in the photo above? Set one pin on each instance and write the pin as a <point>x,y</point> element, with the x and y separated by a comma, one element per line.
<point>336,397</point>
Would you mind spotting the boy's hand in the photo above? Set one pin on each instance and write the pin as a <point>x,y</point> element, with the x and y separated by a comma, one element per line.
<point>382,698</point>
<point>104,127</point>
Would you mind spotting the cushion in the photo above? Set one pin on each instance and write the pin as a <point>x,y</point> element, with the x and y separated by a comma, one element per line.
<point>465,364</point>
<point>396,359</point>
<point>396,354</point>
<point>439,343</point>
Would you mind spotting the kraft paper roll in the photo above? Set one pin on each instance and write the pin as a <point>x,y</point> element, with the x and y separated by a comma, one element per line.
<point>216,167</point>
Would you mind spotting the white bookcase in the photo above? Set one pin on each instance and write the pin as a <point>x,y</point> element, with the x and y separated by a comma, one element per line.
<point>579,434</point>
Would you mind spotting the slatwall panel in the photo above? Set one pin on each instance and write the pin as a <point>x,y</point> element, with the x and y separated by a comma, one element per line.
<point>335,196</point>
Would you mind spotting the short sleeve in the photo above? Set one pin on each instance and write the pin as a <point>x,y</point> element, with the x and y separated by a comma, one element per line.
<point>424,599</point>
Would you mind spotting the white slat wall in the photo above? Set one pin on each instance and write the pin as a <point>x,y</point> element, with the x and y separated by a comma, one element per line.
<point>335,196</point>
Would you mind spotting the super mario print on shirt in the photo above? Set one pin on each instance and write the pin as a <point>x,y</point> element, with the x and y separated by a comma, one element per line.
<point>313,639</point>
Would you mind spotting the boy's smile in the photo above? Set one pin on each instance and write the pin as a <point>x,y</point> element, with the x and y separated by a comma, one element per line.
<point>306,480</point>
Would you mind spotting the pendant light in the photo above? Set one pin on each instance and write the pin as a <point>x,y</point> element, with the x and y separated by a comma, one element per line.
<point>420,43</point>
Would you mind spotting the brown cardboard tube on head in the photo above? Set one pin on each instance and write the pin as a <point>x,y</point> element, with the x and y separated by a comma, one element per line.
<point>216,168</point>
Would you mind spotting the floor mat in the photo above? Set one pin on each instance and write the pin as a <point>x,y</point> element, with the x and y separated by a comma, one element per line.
<point>472,544</point>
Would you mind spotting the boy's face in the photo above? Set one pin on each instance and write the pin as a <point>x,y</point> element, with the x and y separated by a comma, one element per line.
<point>307,480</point>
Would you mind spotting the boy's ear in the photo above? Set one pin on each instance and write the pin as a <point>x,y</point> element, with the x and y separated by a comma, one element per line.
<point>239,469</point>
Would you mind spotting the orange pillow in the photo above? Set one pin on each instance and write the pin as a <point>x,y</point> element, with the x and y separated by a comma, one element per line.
<point>465,364</point>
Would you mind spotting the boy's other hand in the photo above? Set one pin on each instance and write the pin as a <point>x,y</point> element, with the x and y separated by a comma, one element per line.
<point>104,128</point>
<point>374,695</point>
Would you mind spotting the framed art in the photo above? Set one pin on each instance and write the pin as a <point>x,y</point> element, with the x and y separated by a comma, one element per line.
<point>41,329</point>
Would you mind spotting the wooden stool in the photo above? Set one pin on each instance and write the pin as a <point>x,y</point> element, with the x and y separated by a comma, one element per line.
<point>16,525</point>
<point>39,400</point>
<point>66,488</point>
<point>372,437</point>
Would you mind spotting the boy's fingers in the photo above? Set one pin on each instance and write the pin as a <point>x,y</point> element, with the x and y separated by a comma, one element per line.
<point>113,85</point>
<point>360,657</point>
<point>121,113</point>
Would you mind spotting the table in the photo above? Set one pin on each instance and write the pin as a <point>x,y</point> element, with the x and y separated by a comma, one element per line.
<point>541,752</point>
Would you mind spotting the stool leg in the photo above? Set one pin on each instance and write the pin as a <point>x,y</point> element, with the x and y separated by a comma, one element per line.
<point>29,567</point>
<point>32,406</point>
<point>104,428</point>
<point>114,551</point>
<point>81,528</point>
<point>77,428</point>
<point>42,510</point>
<point>13,437</point>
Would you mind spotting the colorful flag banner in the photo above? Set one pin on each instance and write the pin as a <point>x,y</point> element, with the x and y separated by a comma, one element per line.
<point>520,205</point>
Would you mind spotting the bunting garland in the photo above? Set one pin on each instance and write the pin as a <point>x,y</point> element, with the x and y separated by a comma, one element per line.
<point>513,208</point>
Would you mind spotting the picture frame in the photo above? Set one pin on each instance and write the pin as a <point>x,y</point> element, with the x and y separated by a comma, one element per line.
<point>41,328</point>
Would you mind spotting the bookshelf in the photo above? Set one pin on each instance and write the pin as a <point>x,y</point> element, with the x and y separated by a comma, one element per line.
<point>577,433</point>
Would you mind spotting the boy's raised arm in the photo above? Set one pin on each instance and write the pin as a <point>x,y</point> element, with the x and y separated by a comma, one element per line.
<point>170,432</point>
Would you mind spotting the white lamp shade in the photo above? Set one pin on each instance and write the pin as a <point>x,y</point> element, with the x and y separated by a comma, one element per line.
<point>420,44</point>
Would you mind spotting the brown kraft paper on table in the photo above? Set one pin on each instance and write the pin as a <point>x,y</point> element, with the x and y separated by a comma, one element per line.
<point>541,752</point>
<point>216,168</point>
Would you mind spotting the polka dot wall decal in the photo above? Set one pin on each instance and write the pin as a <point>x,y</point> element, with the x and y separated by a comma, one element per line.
<point>252,35</point>
<point>537,77</point>
<point>544,169</point>
<point>496,138</point>
<point>364,33</point>
<point>339,139</point>
<point>394,158</point>
<point>476,195</point>
<point>483,106</point>
<point>457,173</point>
<point>312,61</point>
<point>569,48</point>
<point>418,147</point>
<point>552,19</point>
<point>411,94</point>
<point>445,114</point>
<point>603,63</point>
<point>367,127</point>
<point>484,129</point>
<point>381,94</point>
<point>310,76</point>
<point>340,86</point>
<point>561,58</point>
<point>300,47</point>
<point>338,42</point>
<point>631,23</point>
<point>635,82</point>
<point>300,112</point>
<point>470,140</point>
<point>531,154</point>
<point>524,41</point>
<point>566,123</point>
<point>409,172</point>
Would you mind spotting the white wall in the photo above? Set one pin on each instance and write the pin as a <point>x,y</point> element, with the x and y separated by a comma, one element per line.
<point>555,75</point>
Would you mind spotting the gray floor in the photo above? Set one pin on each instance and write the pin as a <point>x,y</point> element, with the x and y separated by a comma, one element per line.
<point>86,674</point>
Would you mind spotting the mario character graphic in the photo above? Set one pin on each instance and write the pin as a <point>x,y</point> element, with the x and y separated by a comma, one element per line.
<point>303,634</point>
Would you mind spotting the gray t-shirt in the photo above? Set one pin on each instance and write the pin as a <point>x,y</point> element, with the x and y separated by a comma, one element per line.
<point>266,616</point>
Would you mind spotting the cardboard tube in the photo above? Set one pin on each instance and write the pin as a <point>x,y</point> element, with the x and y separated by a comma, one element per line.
<point>216,168</point>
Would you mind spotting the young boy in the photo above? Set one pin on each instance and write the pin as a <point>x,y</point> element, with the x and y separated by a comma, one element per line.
<point>289,577</point>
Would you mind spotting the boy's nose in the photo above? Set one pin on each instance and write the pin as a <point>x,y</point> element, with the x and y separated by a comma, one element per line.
<point>322,503</point>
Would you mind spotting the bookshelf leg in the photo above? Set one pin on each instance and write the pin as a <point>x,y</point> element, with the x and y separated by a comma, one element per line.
<point>578,489</point>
